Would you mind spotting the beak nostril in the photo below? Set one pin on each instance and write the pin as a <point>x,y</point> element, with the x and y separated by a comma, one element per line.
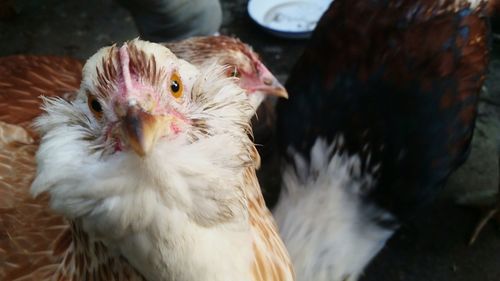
<point>268,81</point>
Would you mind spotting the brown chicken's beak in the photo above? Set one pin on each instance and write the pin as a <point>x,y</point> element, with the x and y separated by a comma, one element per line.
<point>269,84</point>
<point>141,130</point>
<point>274,87</point>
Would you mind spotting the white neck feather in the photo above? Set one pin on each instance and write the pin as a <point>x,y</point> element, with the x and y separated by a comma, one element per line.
<point>256,99</point>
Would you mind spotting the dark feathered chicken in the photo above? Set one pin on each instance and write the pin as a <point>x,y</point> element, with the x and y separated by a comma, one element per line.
<point>381,111</point>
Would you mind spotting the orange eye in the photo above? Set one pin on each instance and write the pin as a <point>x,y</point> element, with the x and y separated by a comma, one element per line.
<point>94,106</point>
<point>176,87</point>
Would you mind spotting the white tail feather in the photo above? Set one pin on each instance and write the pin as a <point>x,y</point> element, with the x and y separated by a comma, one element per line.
<point>329,232</point>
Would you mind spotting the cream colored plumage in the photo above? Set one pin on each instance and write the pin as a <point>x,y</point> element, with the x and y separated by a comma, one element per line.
<point>153,185</point>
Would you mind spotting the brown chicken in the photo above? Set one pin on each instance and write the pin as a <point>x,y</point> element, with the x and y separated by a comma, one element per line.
<point>22,80</point>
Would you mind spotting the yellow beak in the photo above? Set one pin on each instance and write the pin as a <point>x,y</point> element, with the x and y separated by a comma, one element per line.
<point>274,88</point>
<point>141,130</point>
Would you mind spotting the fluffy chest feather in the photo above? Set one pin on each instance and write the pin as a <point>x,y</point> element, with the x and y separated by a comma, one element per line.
<point>172,217</point>
<point>198,220</point>
<point>187,251</point>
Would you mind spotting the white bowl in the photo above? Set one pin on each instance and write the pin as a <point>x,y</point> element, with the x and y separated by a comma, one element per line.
<point>288,18</point>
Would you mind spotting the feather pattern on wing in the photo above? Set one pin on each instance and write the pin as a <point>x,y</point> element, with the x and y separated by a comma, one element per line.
<point>271,256</point>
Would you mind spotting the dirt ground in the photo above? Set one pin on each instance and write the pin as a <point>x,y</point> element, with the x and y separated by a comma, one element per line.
<point>433,247</point>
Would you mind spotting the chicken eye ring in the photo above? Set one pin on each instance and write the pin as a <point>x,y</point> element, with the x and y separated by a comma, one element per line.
<point>176,87</point>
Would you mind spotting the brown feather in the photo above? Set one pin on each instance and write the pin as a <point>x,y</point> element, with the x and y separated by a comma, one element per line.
<point>24,78</point>
<point>272,261</point>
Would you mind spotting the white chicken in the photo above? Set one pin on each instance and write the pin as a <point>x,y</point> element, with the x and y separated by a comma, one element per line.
<point>153,169</point>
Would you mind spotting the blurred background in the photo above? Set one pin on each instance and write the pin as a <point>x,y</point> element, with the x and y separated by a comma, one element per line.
<point>433,247</point>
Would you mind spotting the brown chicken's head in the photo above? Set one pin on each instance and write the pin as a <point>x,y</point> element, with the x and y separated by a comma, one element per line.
<point>241,60</point>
